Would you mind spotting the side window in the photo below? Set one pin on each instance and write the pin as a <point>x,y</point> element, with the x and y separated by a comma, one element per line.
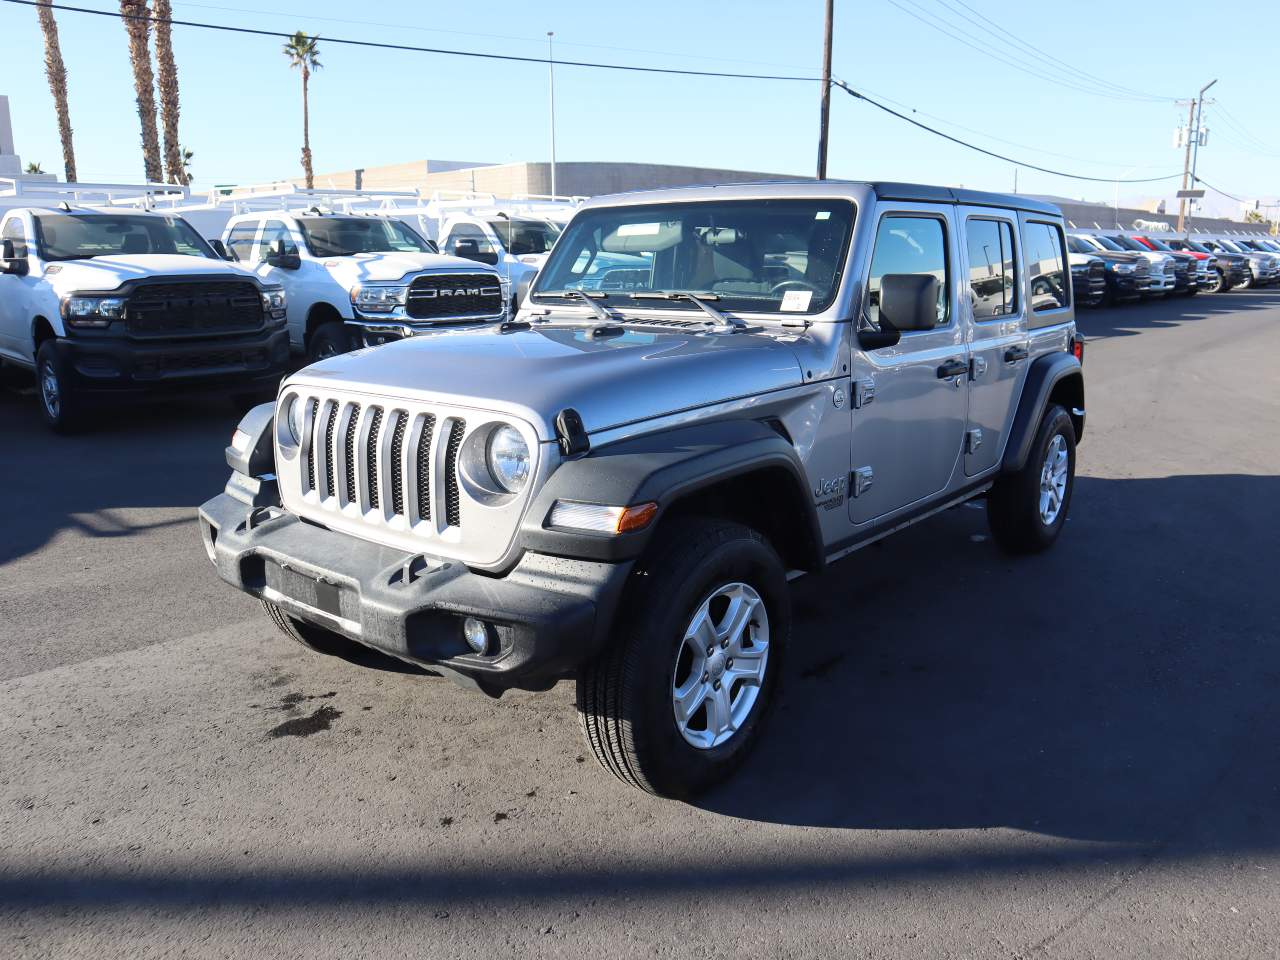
<point>910,244</point>
<point>15,231</point>
<point>992,272</point>
<point>1042,245</point>
<point>272,232</point>
<point>471,238</point>
<point>240,240</point>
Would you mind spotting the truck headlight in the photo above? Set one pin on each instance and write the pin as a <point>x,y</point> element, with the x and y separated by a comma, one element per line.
<point>92,311</point>
<point>507,455</point>
<point>1123,267</point>
<point>295,416</point>
<point>273,302</point>
<point>379,297</point>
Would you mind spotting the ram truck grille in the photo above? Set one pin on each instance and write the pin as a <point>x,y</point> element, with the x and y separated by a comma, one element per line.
<point>396,472</point>
<point>193,308</point>
<point>455,296</point>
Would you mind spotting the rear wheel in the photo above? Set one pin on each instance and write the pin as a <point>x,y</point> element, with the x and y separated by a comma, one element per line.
<point>678,699</point>
<point>311,636</point>
<point>1027,509</point>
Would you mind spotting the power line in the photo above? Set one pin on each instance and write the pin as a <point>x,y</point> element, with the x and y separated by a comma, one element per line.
<point>373,44</point>
<point>1229,196</point>
<point>991,153</point>
<point>1020,63</point>
<point>1075,71</point>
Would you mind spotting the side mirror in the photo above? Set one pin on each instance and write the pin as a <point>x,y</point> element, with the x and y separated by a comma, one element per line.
<point>909,301</point>
<point>285,260</point>
<point>12,264</point>
<point>221,249</point>
<point>469,249</point>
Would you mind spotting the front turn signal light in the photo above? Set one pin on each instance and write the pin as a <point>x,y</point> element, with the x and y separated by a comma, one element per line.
<point>601,518</point>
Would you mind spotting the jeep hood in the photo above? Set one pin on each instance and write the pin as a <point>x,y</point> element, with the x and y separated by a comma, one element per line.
<point>390,267</point>
<point>107,273</point>
<point>534,374</point>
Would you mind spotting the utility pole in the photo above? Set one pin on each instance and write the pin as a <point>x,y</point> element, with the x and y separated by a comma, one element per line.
<point>551,71</point>
<point>824,123</point>
<point>1188,162</point>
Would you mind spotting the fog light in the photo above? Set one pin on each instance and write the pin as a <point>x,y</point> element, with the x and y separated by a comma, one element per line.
<point>476,634</point>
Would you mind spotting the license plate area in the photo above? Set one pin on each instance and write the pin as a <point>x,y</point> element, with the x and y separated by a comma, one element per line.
<point>319,593</point>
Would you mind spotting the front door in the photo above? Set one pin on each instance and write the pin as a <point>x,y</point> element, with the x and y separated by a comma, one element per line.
<point>995,311</point>
<point>909,400</point>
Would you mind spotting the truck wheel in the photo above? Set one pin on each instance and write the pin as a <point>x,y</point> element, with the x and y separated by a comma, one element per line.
<point>58,400</point>
<point>1027,509</point>
<point>312,637</point>
<point>677,700</point>
<point>328,340</point>
<point>1217,283</point>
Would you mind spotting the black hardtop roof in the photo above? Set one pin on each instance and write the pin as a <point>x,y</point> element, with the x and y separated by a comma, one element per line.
<point>923,193</point>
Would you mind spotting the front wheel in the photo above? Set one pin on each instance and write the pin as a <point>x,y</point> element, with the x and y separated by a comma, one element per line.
<point>328,340</point>
<point>677,700</point>
<point>59,402</point>
<point>1217,282</point>
<point>1026,510</point>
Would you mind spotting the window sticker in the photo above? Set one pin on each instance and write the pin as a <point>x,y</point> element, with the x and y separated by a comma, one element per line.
<point>796,301</point>
<point>639,229</point>
<point>822,215</point>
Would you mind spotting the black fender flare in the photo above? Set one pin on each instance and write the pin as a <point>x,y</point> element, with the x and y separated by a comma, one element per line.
<point>1044,375</point>
<point>662,468</point>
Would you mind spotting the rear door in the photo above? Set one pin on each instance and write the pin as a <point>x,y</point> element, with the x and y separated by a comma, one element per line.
<point>995,313</point>
<point>910,399</point>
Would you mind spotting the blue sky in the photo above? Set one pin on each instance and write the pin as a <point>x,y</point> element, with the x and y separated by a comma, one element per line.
<point>242,114</point>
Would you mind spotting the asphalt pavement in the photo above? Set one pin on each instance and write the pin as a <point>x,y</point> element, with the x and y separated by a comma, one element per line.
<point>1070,756</point>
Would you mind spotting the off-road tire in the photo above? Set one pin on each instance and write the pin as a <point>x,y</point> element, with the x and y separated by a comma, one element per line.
<point>313,637</point>
<point>1013,504</point>
<point>328,340</point>
<point>67,415</point>
<point>624,697</point>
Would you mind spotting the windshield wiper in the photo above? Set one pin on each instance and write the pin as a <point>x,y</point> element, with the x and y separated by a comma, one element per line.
<point>588,298</point>
<point>700,299</point>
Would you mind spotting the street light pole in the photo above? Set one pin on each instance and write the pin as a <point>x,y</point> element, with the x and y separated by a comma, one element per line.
<point>1192,153</point>
<point>551,73</point>
<point>825,115</point>
<point>1195,153</point>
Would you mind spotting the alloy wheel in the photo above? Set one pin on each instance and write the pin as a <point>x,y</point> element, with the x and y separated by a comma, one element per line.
<point>50,391</point>
<point>720,666</point>
<point>1053,480</point>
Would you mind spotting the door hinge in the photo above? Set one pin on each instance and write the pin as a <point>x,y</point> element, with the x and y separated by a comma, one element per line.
<point>864,391</point>
<point>972,440</point>
<point>862,480</point>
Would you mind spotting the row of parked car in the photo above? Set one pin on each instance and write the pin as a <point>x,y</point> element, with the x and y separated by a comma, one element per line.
<point>1112,266</point>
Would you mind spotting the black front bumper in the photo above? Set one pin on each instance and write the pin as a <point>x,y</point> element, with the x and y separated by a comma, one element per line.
<point>545,617</point>
<point>121,364</point>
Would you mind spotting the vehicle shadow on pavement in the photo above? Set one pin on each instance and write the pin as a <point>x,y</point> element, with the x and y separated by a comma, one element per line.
<point>1129,319</point>
<point>157,454</point>
<point>1117,688</point>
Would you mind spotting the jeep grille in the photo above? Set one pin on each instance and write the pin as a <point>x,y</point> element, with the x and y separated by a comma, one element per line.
<point>396,472</point>
<point>457,295</point>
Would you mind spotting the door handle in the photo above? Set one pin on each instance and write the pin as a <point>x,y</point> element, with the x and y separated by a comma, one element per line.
<point>1014,354</point>
<point>952,368</point>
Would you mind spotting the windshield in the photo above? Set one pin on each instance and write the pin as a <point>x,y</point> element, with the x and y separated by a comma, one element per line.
<point>523,237</point>
<point>1128,243</point>
<point>762,256</point>
<point>1228,245</point>
<point>1107,244</point>
<point>1076,245</point>
<point>82,236</point>
<point>1192,245</point>
<point>1159,244</point>
<point>347,236</point>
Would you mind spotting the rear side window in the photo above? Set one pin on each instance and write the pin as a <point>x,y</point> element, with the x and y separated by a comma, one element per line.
<point>1042,245</point>
<point>992,270</point>
<point>910,244</point>
<point>240,240</point>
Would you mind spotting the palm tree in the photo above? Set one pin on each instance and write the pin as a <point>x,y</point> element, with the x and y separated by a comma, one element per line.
<point>34,167</point>
<point>167,77</point>
<point>137,24</point>
<point>56,71</point>
<point>304,52</point>
<point>187,157</point>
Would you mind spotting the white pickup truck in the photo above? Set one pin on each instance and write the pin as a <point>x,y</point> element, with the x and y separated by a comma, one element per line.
<point>515,244</point>
<point>112,303</point>
<point>358,280</point>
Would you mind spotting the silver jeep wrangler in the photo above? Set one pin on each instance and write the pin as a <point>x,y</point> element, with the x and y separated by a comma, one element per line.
<point>706,393</point>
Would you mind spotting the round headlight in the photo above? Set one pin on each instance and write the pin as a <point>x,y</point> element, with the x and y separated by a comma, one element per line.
<point>295,418</point>
<point>508,457</point>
